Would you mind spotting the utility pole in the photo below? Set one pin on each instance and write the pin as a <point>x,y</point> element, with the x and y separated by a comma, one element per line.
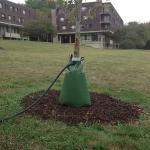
<point>78,5</point>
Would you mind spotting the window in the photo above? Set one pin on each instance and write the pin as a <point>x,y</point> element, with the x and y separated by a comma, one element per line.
<point>105,18</point>
<point>82,27</point>
<point>9,18</point>
<point>106,26</point>
<point>106,8</point>
<point>72,27</point>
<point>19,20</point>
<point>94,37</point>
<point>24,12</point>
<point>7,29</point>
<point>85,17</point>
<point>11,8</point>
<point>83,8</point>
<point>90,26</point>
<point>3,16</point>
<point>85,37</point>
<point>64,27</point>
<point>16,30</point>
<point>103,9</point>
<point>29,13</point>
<point>6,6</point>
<point>16,9</point>
<point>14,18</point>
<point>62,19</point>
<point>57,27</point>
<point>1,5</point>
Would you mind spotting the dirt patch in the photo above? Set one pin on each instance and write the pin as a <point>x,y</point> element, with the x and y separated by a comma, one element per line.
<point>104,109</point>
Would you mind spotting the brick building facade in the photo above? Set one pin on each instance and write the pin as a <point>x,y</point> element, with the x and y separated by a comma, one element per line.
<point>94,30</point>
<point>12,18</point>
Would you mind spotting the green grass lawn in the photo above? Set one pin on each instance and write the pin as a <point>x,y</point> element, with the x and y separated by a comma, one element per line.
<point>27,67</point>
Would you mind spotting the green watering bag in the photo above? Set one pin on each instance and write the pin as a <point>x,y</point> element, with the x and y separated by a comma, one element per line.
<point>74,90</point>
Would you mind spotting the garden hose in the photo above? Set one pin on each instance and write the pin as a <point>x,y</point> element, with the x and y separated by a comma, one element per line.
<point>39,99</point>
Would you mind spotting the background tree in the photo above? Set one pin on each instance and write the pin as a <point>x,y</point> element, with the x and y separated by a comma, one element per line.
<point>133,35</point>
<point>147,46</point>
<point>40,4</point>
<point>40,28</point>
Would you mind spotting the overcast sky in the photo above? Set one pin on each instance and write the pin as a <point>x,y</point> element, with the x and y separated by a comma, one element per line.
<point>129,10</point>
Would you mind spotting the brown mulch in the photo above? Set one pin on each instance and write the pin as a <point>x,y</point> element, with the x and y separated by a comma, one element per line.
<point>104,109</point>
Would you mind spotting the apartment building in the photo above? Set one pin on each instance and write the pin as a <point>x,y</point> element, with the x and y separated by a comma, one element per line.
<point>95,29</point>
<point>12,18</point>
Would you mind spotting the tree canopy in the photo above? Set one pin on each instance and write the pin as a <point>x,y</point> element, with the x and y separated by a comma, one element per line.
<point>40,4</point>
<point>40,28</point>
<point>133,35</point>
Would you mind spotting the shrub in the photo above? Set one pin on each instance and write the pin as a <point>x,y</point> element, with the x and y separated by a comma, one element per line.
<point>140,44</point>
<point>127,44</point>
<point>147,46</point>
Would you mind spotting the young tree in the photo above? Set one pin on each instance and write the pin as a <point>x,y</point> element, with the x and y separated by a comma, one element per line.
<point>74,90</point>
<point>72,11</point>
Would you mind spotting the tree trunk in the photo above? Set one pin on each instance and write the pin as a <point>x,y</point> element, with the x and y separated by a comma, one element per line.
<point>78,4</point>
<point>47,37</point>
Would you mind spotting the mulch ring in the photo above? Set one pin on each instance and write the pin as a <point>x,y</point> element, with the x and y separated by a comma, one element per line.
<point>104,109</point>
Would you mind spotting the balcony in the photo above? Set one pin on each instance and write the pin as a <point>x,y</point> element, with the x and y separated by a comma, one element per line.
<point>105,22</point>
<point>105,18</point>
<point>12,35</point>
